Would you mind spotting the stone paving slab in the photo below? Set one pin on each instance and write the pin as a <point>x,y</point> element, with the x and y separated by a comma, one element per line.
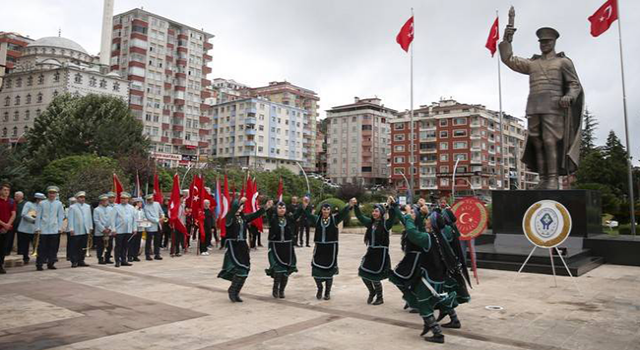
<point>179,303</point>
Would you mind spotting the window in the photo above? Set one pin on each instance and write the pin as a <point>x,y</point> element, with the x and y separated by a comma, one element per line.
<point>16,116</point>
<point>398,159</point>
<point>56,77</point>
<point>444,145</point>
<point>7,101</point>
<point>444,169</point>
<point>8,84</point>
<point>398,137</point>
<point>459,121</point>
<point>397,148</point>
<point>19,82</point>
<point>4,132</point>
<point>5,117</point>
<point>103,84</point>
<point>17,103</point>
<point>444,157</point>
<point>444,181</point>
<point>40,79</point>
<point>28,101</point>
<point>459,133</point>
<point>116,86</point>
<point>460,145</point>
<point>398,126</point>
<point>93,82</point>
<point>444,122</point>
<point>30,81</point>
<point>461,156</point>
<point>39,98</point>
<point>444,134</point>
<point>27,115</point>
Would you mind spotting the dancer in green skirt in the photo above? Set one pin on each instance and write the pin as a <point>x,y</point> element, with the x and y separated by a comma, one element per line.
<point>376,264</point>
<point>324,264</point>
<point>282,256</point>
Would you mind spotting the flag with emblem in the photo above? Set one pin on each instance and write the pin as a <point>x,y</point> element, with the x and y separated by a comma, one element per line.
<point>602,19</point>
<point>405,36</point>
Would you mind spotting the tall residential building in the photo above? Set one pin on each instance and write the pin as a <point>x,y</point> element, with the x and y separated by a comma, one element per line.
<point>258,134</point>
<point>448,131</point>
<point>321,148</point>
<point>11,46</point>
<point>46,68</point>
<point>290,95</point>
<point>225,90</point>
<point>358,142</point>
<point>166,62</point>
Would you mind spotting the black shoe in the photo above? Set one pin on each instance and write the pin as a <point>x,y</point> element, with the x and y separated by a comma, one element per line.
<point>25,262</point>
<point>157,257</point>
<point>126,264</point>
<point>453,324</point>
<point>129,259</point>
<point>74,265</point>
<point>430,324</point>
<point>51,267</point>
<point>136,259</point>
<point>319,286</point>
<point>276,286</point>
<point>377,286</point>
<point>308,245</point>
<point>178,254</point>
<point>117,264</point>
<point>148,258</point>
<point>283,284</point>
<point>39,268</point>
<point>436,338</point>
<point>83,264</point>
<point>108,261</point>
<point>327,289</point>
<point>372,291</point>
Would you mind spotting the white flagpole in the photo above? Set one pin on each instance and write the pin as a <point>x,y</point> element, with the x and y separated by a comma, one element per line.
<point>502,148</point>
<point>626,130</point>
<point>411,137</point>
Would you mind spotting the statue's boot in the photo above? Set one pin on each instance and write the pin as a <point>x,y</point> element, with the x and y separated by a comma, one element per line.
<point>542,167</point>
<point>551,151</point>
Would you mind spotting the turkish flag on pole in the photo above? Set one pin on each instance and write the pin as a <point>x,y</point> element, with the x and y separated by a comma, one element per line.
<point>157,192</point>
<point>174,206</point>
<point>117,187</point>
<point>405,37</point>
<point>494,35</point>
<point>255,203</point>
<point>602,19</point>
<point>224,208</point>
<point>280,190</point>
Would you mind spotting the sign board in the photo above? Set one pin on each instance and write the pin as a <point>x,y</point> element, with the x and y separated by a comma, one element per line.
<point>547,224</point>
<point>165,156</point>
<point>472,217</point>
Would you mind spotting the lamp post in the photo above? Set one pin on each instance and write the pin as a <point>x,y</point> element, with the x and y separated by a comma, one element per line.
<point>453,180</point>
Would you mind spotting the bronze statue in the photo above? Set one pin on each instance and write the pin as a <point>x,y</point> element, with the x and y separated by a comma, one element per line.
<point>554,107</point>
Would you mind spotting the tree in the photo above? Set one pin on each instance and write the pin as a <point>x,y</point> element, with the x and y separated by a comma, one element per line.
<point>592,169</point>
<point>589,126</point>
<point>13,170</point>
<point>616,159</point>
<point>91,124</point>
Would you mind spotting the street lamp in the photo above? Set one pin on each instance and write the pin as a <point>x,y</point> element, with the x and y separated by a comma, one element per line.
<point>15,143</point>
<point>453,180</point>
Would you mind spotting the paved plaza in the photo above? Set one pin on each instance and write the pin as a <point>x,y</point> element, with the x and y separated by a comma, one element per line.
<point>178,303</point>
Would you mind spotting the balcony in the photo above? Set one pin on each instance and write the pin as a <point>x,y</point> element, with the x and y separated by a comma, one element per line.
<point>475,124</point>
<point>251,121</point>
<point>178,101</point>
<point>164,139</point>
<point>250,131</point>
<point>176,141</point>
<point>476,160</point>
<point>178,128</point>
<point>492,140</point>
<point>165,126</point>
<point>204,120</point>
<point>203,132</point>
<point>475,137</point>
<point>178,115</point>
<point>475,148</point>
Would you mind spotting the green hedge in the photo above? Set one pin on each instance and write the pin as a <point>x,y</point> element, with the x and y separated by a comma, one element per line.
<point>626,229</point>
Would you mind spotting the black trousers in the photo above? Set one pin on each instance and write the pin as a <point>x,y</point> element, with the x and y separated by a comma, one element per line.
<point>177,241</point>
<point>2,239</point>
<point>108,253</point>
<point>294,229</point>
<point>153,240</point>
<point>77,246</point>
<point>303,228</point>
<point>214,231</point>
<point>48,249</point>
<point>134,245</point>
<point>166,234</point>
<point>254,236</point>
<point>7,245</point>
<point>122,246</point>
<point>204,245</point>
<point>68,251</point>
<point>24,240</point>
<point>100,245</point>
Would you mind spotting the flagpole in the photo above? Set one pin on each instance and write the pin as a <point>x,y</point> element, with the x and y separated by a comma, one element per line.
<point>502,148</point>
<point>412,136</point>
<point>626,129</point>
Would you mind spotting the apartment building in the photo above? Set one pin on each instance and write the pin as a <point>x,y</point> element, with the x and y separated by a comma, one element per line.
<point>358,142</point>
<point>11,46</point>
<point>167,65</point>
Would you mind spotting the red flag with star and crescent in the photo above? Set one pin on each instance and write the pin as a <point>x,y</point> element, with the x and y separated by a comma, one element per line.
<point>494,35</point>
<point>602,19</point>
<point>405,37</point>
<point>174,206</point>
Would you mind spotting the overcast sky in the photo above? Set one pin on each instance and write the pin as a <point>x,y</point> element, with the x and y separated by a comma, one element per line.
<point>342,49</point>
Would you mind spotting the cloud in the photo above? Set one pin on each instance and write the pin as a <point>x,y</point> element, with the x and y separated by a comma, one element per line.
<point>343,49</point>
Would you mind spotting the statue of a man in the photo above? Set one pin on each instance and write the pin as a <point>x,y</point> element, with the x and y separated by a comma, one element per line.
<point>554,108</point>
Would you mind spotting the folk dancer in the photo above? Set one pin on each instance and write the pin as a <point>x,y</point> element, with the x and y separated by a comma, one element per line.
<point>324,264</point>
<point>7,216</point>
<point>282,256</point>
<point>123,221</point>
<point>236,264</point>
<point>376,264</point>
<point>49,221</point>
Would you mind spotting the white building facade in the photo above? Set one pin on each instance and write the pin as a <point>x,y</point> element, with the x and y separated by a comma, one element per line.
<point>49,67</point>
<point>258,134</point>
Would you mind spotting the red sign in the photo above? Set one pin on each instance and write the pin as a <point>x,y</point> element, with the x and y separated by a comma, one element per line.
<point>473,217</point>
